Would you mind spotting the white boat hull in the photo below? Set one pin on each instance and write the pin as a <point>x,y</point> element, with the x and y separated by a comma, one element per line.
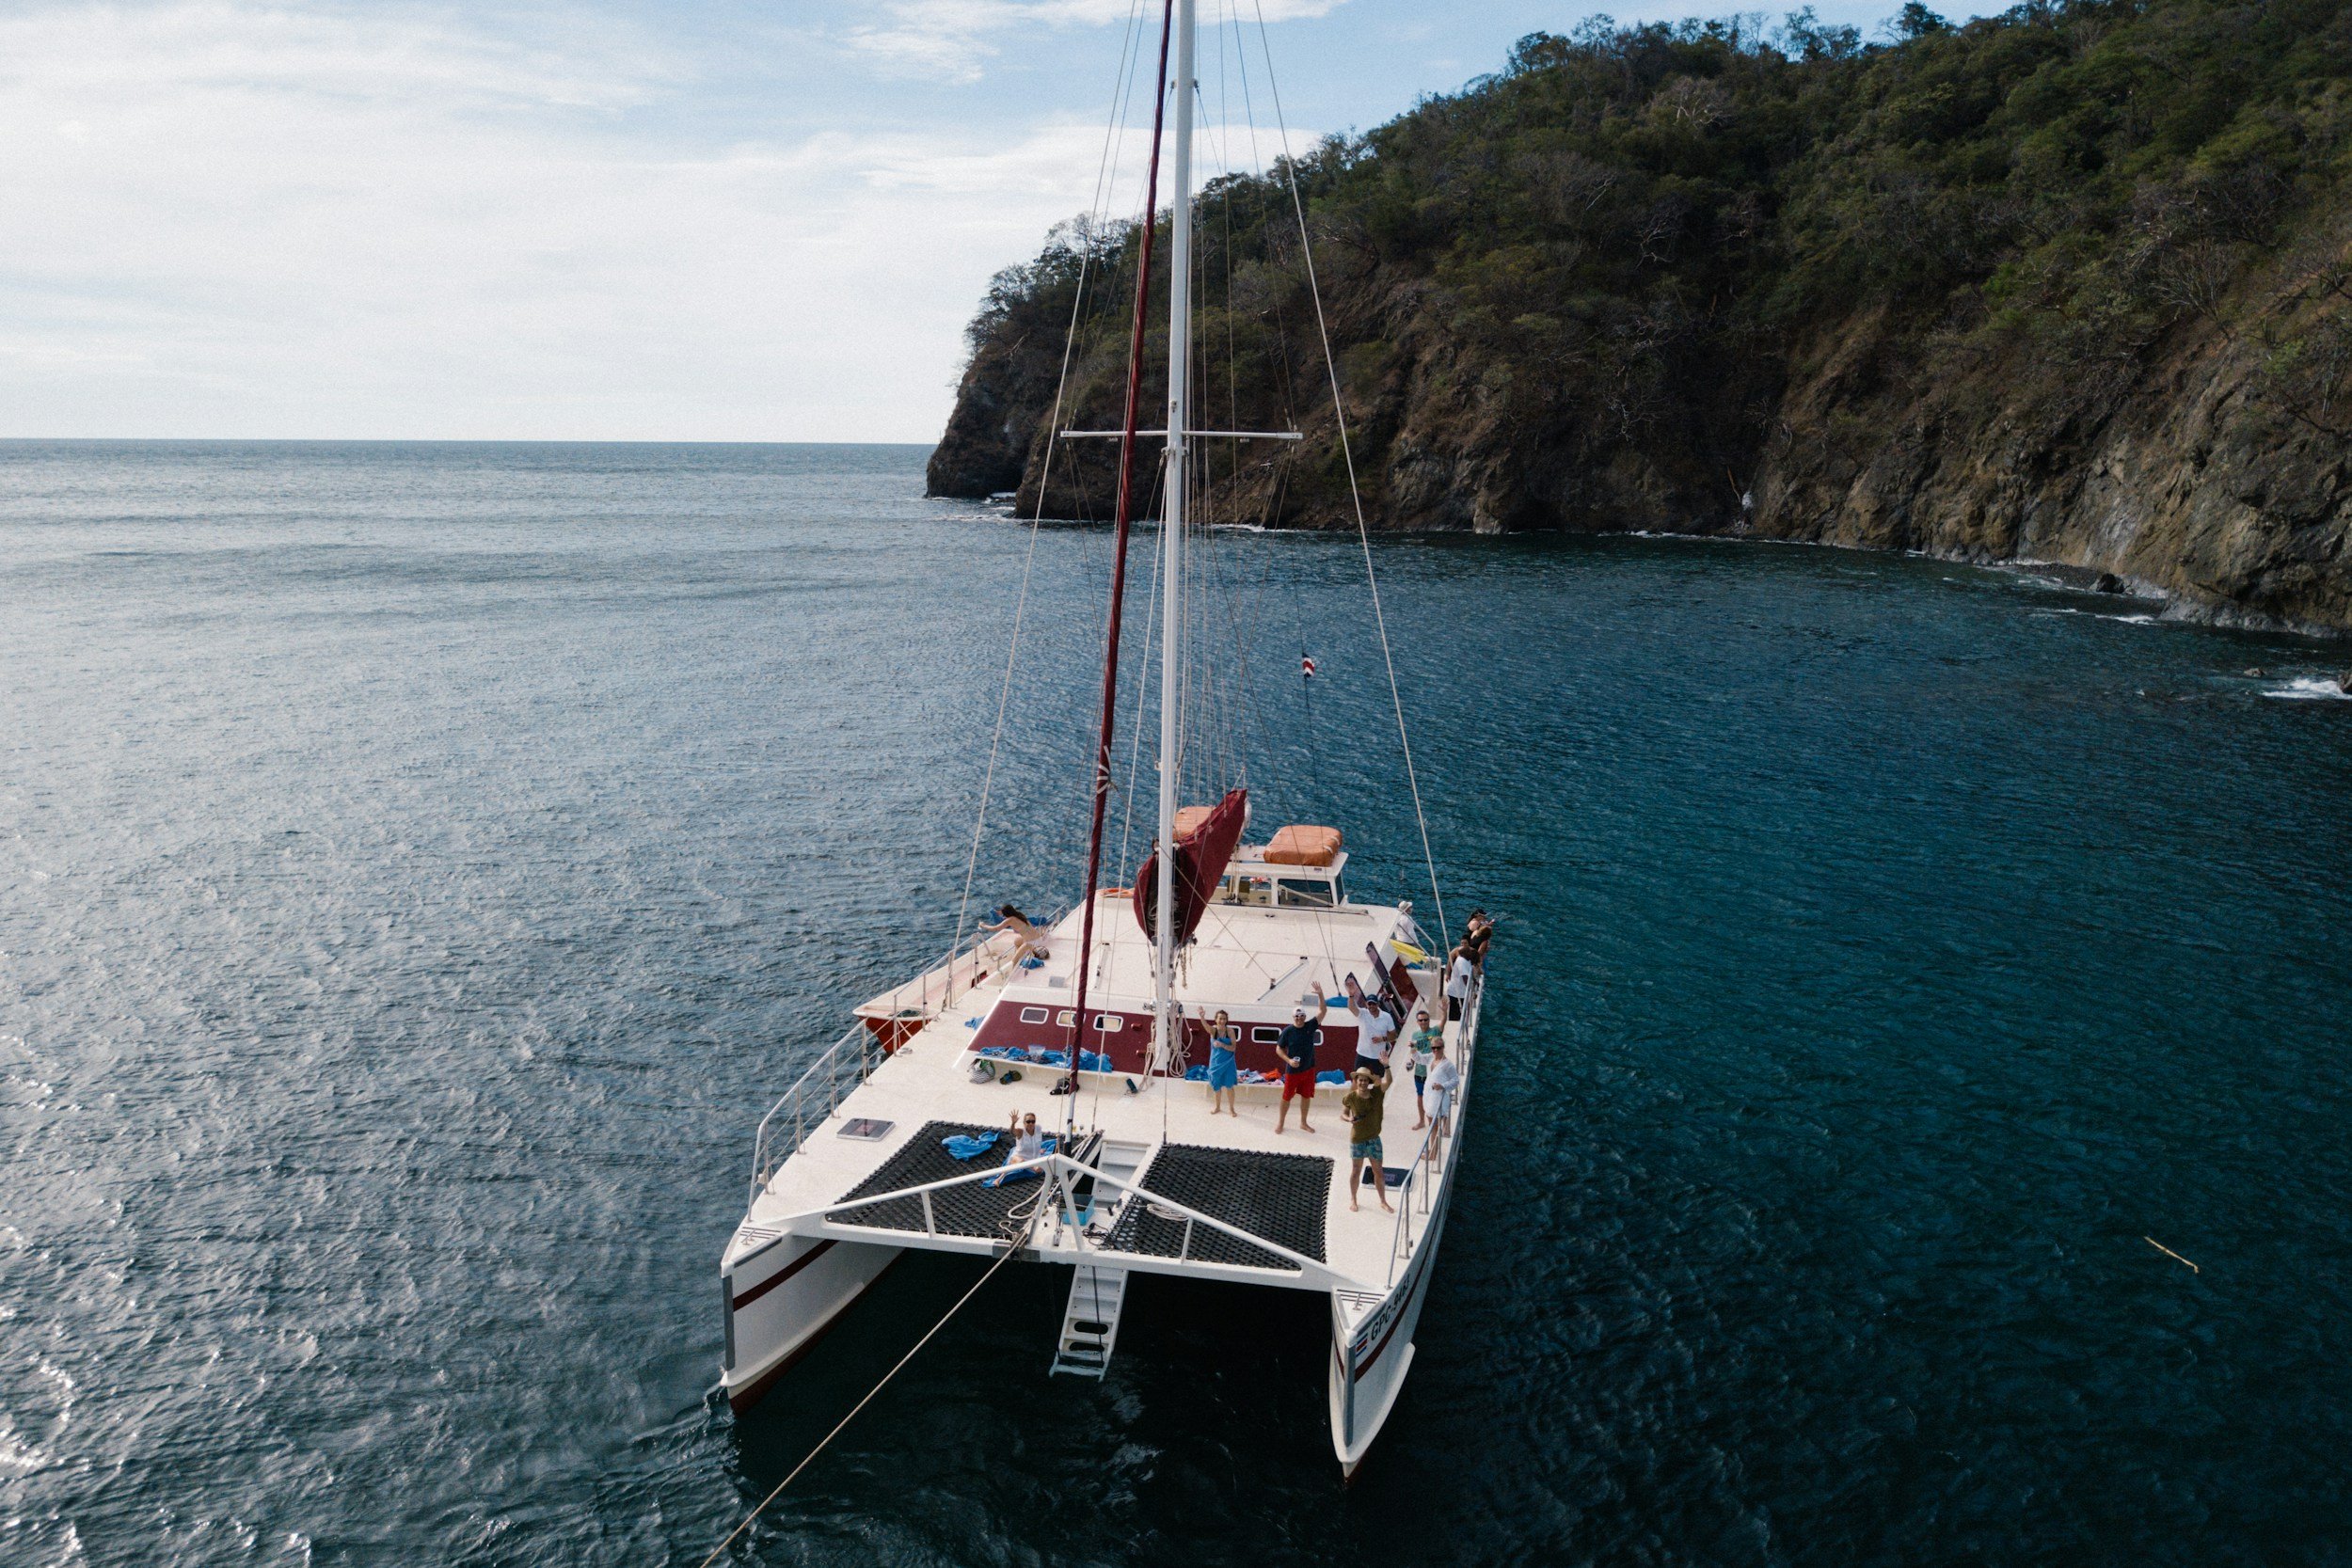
<point>781,1297</point>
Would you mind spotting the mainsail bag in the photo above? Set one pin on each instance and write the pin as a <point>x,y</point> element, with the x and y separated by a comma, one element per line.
<point>1203,847</point>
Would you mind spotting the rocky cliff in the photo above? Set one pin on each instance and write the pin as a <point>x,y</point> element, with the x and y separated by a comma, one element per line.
<point>2071,285</point>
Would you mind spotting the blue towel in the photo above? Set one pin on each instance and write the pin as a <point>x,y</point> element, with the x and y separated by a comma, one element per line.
<point>1009,1053</point>
<point>1000,1179</point>
<point>1334,1076</point>
<point>971,1024</point>
<point>1050,1058</point>
<point>1033,961</point>
<point>1197,1074</point>
<point>965,1145</point>
<point>1094,1061</point>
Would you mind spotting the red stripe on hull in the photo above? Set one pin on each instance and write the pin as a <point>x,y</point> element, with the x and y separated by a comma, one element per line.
<point>741,1400</point>
<point>803,1260</point>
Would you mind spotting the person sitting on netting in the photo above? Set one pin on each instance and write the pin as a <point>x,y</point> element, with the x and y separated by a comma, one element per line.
<point>1027,1142</point>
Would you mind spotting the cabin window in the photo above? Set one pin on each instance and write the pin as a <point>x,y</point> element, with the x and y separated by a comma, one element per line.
<point>1265,1034</point>
<point>1032,1015</point>
<point>1108,1023</point>
<point>1068,1018</point>
<point>1258,891</point>
<point>1295,892</point>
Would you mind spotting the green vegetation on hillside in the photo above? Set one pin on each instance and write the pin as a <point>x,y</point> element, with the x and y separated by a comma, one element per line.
<point>1578,292</point>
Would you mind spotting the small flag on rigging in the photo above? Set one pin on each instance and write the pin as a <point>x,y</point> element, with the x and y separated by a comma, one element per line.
<point>1306,667</point>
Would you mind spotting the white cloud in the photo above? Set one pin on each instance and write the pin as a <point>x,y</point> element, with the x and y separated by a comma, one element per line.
<point>950,39</point>
<point>238,219</point>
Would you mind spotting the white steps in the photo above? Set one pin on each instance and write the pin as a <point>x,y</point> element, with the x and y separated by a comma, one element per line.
<point>1089,1325</point>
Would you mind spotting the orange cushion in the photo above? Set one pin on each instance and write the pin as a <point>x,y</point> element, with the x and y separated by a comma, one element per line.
<point>1302,846</point>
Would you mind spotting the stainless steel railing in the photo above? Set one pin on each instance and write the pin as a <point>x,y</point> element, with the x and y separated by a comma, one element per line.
<point>1415,1198</point>
<point>1061,1173</point>
<point>811,1102</point>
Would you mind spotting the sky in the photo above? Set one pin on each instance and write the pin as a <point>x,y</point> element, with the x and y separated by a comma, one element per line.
<point>723,220</point>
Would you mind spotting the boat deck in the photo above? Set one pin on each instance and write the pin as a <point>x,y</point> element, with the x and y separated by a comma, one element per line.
<point>1289,1187</point>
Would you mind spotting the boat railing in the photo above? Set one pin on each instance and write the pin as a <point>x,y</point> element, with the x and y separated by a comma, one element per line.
<point>1062,1172</point>
<point>975,958</point>
<point>1416,1195</point>
<point>811,1101</point>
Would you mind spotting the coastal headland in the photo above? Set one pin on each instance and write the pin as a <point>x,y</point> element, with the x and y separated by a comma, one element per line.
<point>2073,284</point>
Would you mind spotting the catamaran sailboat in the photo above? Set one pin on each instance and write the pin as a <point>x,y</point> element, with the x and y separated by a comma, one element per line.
<point>897,1137</point>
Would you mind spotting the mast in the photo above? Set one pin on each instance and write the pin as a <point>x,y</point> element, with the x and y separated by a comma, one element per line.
<point>1172,532</point>
<point>1119,576</point>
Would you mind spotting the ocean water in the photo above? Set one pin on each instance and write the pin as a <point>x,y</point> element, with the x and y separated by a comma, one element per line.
<point>421,866</point>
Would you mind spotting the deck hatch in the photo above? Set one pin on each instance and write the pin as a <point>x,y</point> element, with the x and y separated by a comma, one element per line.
<point>1278,1196</point>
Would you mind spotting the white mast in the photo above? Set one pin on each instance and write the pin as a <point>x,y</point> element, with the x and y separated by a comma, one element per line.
<point>1172,531</point>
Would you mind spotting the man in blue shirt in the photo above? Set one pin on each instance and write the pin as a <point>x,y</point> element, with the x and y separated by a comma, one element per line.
<point>1296,1048</point>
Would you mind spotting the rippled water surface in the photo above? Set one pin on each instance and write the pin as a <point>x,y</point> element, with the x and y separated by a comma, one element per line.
<point>420,866</point>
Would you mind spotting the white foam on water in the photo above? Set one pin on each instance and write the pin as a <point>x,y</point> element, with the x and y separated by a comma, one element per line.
<point>2310,688</point>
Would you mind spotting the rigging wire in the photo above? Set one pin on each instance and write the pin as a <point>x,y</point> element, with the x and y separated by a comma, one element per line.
<point>1347,454</point>
<point>1105,175</point>
<point>1013,1248</point>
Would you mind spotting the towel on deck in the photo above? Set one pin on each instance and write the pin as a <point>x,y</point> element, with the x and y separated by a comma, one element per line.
<point>1094,1061</point>
<point>965,1145</point>
<point>1009,1053</point>
<point>1050,1058</point>
<point>1003,1177</point>
<point>1334,1076</point>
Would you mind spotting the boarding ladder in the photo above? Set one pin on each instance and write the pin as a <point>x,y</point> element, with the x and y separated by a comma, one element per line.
<point>1090,1325</point>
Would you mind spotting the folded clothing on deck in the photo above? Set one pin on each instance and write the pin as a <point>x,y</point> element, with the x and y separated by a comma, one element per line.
<point>967,1145</point>
<point>1334,1076</point>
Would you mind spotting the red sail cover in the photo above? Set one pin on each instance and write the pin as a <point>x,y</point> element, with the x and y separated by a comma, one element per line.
<point>1200,858</point>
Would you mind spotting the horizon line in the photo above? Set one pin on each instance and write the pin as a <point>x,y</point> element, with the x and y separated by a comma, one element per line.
<point>429,441</point>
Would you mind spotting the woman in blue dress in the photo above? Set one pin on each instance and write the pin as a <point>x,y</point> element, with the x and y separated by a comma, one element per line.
<point>1224,1070</point>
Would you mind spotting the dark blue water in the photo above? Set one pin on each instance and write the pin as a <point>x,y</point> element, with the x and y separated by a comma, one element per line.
<point>420,866</point>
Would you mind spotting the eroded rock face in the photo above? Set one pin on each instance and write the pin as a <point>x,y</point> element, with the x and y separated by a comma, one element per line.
<point>985,445</point>
<point>2189,474</point>
<point>2182,468</point>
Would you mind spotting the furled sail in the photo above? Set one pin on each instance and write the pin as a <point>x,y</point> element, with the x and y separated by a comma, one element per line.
<point>1202,850</point>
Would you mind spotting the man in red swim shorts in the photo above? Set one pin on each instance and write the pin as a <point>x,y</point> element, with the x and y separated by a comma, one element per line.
<point>1296,1048</point>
